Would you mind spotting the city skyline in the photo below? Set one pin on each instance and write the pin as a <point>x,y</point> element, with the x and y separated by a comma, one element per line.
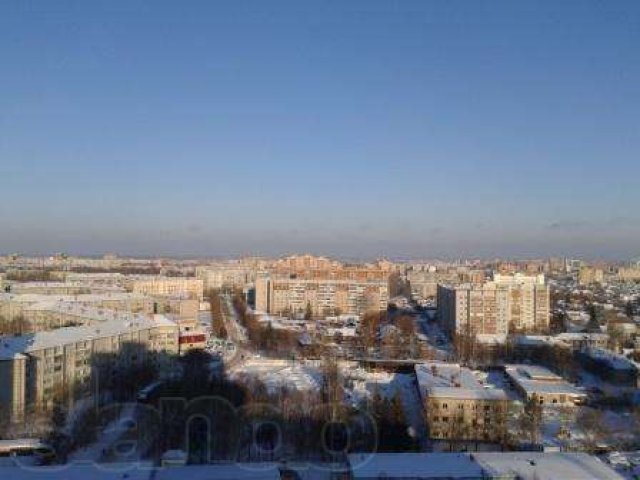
<point>356,129</point>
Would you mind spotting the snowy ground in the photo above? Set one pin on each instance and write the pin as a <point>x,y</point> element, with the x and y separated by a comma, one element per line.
<point>275,374</point>
<point>436,339</point>
<point>109,436</point>
<point>363,385</point>
<point>593,382</point>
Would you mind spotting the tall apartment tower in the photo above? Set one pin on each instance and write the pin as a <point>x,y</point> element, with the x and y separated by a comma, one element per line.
<point>506,304</point>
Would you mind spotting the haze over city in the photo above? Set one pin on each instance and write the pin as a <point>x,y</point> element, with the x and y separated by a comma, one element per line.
<point>357,129</point>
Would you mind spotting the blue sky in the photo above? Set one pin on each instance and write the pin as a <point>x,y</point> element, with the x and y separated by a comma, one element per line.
<point>356,128</point>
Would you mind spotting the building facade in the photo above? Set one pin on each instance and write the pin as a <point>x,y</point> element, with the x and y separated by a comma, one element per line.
<point>507,304</point>
<point>36,368</point>
<point>458,407</point>
<point>168,286</point>
<point>280,295</point>
<point>226,275</point>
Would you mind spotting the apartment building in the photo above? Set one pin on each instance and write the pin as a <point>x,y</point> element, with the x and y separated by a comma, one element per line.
<point>45,312</point>
<point>167,286</point>
<point>226,275</point>
<point>303,263</point>
<point>460,405</point>
<point>342,294</point>
<point>590,275</point>
<point>506,304</point>
<point>629,274</point>
<point>50,288</point>
<point>424,282</point>
<point>34,367</point>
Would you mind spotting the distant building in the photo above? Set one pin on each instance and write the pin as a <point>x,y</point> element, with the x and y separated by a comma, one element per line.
<point>168,286</point>
<point>590,275</point>
<point>629,274</point>
<point>278,294</point>
<point>45,312</point>
<point>424,282</point>
<point>572,265</point>
<point>226,275</point>
<point>304,263</point>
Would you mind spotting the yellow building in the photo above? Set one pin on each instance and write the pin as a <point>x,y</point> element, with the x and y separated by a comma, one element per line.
<point>459,407</point>
<point>590,275</point>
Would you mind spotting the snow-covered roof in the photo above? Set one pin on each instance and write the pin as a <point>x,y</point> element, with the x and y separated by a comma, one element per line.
<point>231,471</point>
<point>79,298</point>
<point>10,346</point>
<point>536,379</point>
<point>545,466</point>
<point>134,471</point>
<point>78,472</point>
<point>453,466</point>
<point>451,380</point>
<point>414,465</point>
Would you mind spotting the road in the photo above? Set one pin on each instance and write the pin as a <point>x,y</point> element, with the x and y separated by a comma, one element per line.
<point>235,331</point>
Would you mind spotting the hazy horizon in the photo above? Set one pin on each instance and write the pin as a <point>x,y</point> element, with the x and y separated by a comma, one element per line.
<point>352,129</point>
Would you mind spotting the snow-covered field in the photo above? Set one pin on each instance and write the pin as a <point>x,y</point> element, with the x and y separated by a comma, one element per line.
<point>275,374</point>
<point>363,385</point>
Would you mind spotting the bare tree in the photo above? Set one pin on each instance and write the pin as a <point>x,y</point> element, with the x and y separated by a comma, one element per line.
<point>531,419</point>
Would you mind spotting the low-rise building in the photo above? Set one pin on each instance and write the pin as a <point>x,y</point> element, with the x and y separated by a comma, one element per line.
<point>479,466</point>
<point>533,381</point>
<point>458,406</point>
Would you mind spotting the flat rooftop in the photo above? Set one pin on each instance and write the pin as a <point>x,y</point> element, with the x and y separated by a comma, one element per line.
<point>537,379</point>
<point>545,466</point>
<point>10,346</point>
<point>451,380</point>
<point>414,465</point>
